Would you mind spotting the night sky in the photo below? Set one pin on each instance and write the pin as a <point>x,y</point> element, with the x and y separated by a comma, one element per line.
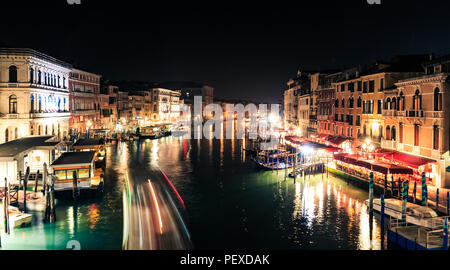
<point>243,50</point>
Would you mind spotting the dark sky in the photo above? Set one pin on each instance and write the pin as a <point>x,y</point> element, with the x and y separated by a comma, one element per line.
<point>244,49</point>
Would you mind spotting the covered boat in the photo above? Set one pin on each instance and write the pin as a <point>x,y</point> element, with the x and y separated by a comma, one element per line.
<point>83,164</point>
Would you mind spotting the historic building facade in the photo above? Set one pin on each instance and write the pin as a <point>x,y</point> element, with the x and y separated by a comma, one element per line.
<point>421,106</point>
<point>166,105</point>
<point>34,96</point>
<point>84,91</point>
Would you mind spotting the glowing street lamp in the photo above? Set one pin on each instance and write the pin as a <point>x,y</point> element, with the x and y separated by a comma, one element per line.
<point>368,147</point>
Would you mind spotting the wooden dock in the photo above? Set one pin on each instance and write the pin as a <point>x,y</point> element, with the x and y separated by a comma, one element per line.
<point>413,237</point>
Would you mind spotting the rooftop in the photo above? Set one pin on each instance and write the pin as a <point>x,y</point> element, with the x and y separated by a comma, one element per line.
<point>85,142</point>
<point>12,148</point>
<point>75,158</point>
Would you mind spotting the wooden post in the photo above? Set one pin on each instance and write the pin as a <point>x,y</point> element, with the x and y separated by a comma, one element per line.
<point>44,179</point>
<point>371,193</point>
<point>295,166</point>
<point>75,185</point>
<point>5,208</point>
<point>437,200</point>
<point>52,200</point>
<point>36,181</point>
<point>404,200</point>
<point>25,186</point>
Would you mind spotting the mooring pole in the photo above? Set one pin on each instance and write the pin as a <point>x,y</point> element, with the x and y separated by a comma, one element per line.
<point>445,236</point>
<point>382,217</point>
<point>25,186</point>
<point>448,203</point>
<point>437,200</point>
<point>371,193</point>
<point>385,184</point>
<point>75,185</point>
<point>424,186</point>
<point>52,201</point>
<point>415,191</point>
<point>6,208</point>
<point>36,182</point>
<point>404,200</point>
<point>44,179</point>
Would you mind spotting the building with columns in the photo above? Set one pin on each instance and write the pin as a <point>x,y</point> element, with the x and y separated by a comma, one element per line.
<point>34,94</point>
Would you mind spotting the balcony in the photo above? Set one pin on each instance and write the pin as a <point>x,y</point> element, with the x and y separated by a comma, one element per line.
<point>389,113</point>
<point>434,114</point>
<point>43,114</point>
<point>415,113</point>
<point>84,112</point>
<point>389,144</point>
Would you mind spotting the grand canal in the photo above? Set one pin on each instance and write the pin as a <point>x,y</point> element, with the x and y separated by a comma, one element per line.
<point>230,203</point>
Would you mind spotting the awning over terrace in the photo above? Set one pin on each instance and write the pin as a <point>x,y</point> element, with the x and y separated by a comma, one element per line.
<point>299,142</point>
<point>403,158</point>
<point>373,165</point>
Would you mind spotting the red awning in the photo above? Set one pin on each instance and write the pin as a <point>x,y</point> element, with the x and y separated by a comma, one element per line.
<point>294,139</point>
<point>406,159</point>
<point>332,149</point>
<point>376,166</point>
<point>336,140</point>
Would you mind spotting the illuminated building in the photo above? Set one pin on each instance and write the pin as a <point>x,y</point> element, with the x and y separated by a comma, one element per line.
<point>34,95</point>
<point>84,89</point>
<point>165,105</point>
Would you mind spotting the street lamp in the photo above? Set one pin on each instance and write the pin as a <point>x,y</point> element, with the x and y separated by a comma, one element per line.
<point>88,126</point>
<point>368,147</point>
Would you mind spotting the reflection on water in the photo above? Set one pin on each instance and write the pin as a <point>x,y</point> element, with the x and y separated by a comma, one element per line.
<point>230,203</point>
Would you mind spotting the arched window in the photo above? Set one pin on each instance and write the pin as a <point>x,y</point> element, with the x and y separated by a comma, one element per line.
<point>417,100</point>
<point>12,104</point>
<point>388,103</point>
<point>16,133</point>
<point>437,100</point>
<point>401,102</point>
<point>336,104</point>
<point>64,82</point>
<point>32,104</point>
<point>393,135</point>
<point>59,81</point>
<point>59,104</point>
<point>6,135</point>
<point>343,103</point>
<point>388,133</point>
<point>359,102</point>
<point>31,75</point>
<point>31,129</point>
<point>39,74</point>
<point>40,104</point>
<point>46,129</point>
<point>40,130</point>
<point>381,131</point>
<point>12,74</point>
<point>394,104</point>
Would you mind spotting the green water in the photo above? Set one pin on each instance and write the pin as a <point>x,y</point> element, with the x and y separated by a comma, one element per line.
<point>230,203</point>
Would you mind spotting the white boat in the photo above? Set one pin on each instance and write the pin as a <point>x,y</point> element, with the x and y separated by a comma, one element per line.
<point>16,218</point>
<point>415,214</point>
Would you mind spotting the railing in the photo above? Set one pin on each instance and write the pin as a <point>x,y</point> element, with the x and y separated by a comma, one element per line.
<point>415,113</point>
<point>389,144</point>
<point>389,113</point>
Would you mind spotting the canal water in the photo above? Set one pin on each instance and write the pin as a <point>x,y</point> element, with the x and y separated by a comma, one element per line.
<point>230,203</point>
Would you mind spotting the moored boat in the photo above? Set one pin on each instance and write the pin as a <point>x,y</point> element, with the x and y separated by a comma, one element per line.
<point>415,214</point>
<point>17,218</point>
<point>89,178</point>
